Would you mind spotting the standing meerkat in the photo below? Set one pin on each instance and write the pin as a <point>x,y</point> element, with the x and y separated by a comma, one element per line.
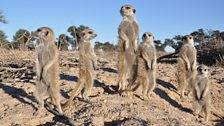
<point>201,92</point>
<point>146,75</point>
<point>127,46</point>
<point>87,64</point>
<point>47,69</point>
<point>186,64</point>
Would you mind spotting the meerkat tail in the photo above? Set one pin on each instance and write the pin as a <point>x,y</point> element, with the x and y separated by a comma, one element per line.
<point>74,93</point>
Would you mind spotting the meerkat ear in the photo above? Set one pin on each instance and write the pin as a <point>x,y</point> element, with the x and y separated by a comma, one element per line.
<point>134,11</point>
<point>46,33</point>
<point>183,38</point>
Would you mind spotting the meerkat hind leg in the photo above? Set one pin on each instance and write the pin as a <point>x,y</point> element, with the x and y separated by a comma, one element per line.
<point>152,86</point>
<point>39,97</point>
<point>145,88</point>
<point>206,112</point>
<point>88,86</point>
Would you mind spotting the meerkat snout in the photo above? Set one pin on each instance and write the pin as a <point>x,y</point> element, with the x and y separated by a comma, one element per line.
<point>147,36</point>
<point>202,70</point>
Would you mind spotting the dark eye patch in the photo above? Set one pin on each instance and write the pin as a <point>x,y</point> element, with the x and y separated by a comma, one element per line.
<point>199,69</point>
<point>149,35</point>
<point>90,32</point>
<point>190,37</point>
<point>144,35</point>
<point>46,33</point>
<point>38,30</point>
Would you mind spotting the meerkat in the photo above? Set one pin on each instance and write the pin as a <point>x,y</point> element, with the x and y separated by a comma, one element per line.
<point>146,73</point>
<point>127,46</point>
<point>186,64</point>
<point>87,65</point>
<point>47,69</point>
<point>201,92</point>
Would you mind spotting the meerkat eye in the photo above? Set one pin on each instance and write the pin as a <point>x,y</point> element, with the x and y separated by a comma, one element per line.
<point>38,30</point>
<point>149,35</point>
<point>46,33</point>
<point>190,37</point>
<point>128,8</point>
<point>144,35</point>
<point>83,33</point>
<point>199,69</point>
<point>90,32</point>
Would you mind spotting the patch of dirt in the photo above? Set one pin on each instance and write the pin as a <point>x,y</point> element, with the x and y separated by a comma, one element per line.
<point>107,107</point>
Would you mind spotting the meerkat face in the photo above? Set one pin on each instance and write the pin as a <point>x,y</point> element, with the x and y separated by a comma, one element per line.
<point>147,36</point>
<point>188,39</point>
<point>202,70</point>
<point>88,34</point>
<point>43,33</point>
<point>127,10</point>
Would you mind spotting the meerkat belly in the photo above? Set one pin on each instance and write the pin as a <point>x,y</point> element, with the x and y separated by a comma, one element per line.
<point>202,85</point>
<point>43,57</point>
<point>130,32</point>
<point>142,67</point>
<point>85,63</point>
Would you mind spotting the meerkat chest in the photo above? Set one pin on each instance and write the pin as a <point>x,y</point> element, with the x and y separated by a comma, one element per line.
<point>43,54</point>
<point>129,28</point>
<point>84,56</point>
<point>202,83</point>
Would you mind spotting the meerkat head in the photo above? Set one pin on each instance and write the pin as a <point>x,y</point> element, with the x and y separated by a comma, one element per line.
<point>127,10</point>
<point>44,33</point>
<point>188,39</point>
<point>148,37</point>
<point>88,34</point>
<point>202,70</point>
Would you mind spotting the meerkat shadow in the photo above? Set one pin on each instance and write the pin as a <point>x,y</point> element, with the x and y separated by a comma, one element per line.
<point>162,94</point>
<point>65,93</point>
<point>19,94</point>
<point>68,77</point>
<point>57,117</point>
<point>221,81</point>
<point>166,84</point>
<point>105,87</point>
<point>107,69</point>
<point>219,122</point>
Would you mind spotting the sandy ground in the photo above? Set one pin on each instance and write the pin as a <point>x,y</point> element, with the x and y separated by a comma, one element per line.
<point>107,107</point>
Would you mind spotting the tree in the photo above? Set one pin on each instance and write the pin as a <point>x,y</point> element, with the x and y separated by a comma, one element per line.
<point>76,34</point>
<point>2,18</point>
<point>3,40</point>
<point>106,46</point>
<point>22,39</point>
<point>159,45</point>
<point>199,36</point>
<point>175,42</point>
<point>63,42</point>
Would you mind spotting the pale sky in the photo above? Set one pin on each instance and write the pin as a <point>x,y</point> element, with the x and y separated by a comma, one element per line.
<point>164,18</point>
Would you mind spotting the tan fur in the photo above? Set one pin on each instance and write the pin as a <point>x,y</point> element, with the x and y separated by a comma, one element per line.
<point>186,64</point>
<point>146,75</point>
<point>127,46</point>
<point>87,64</point>
<point>201,92</point>
<point>47,69</point>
